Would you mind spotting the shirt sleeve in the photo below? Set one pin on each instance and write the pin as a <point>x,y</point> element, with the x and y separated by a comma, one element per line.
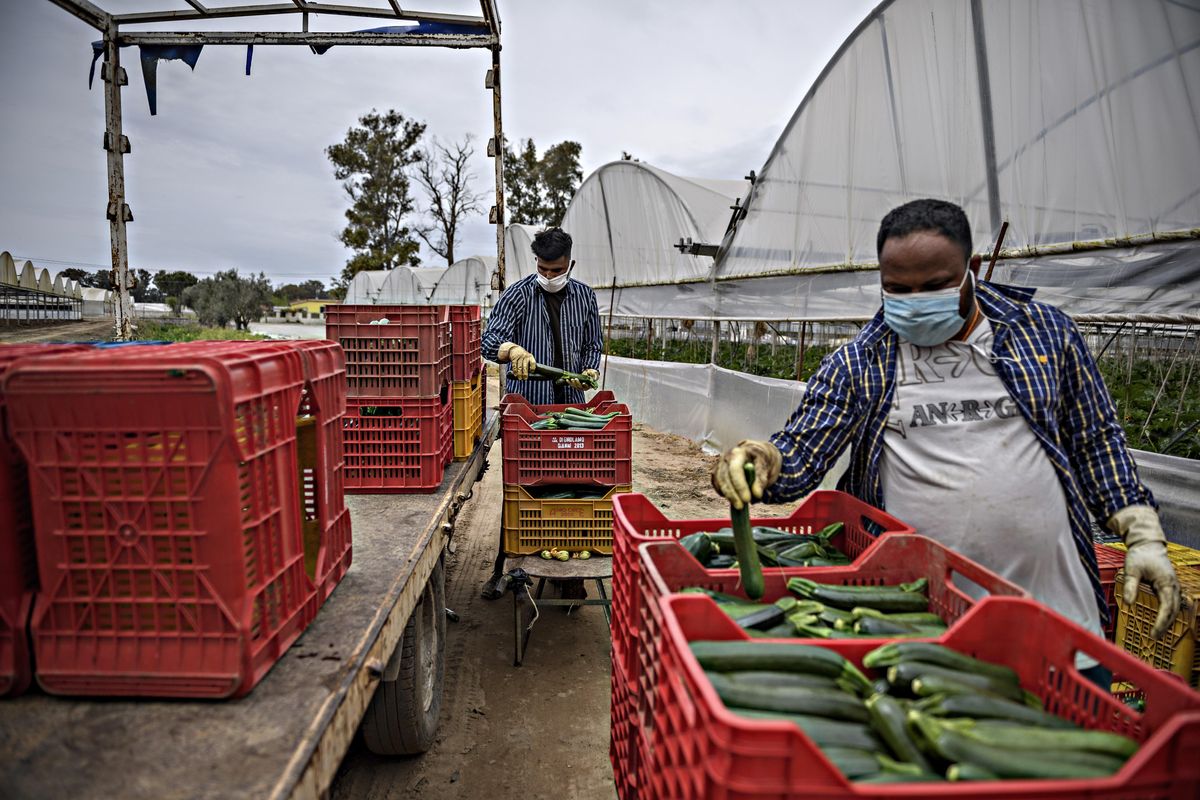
<point>1092,435</point>
<point>502,323</point>
<point>593,341</point>
<point>818,431</point>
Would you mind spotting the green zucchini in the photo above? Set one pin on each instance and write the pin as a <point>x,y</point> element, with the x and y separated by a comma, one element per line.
<point>735,656</point>
<point>966,771</point>
<point>900,777</point>
<point>1010,762</point>
<point>852,762</point>
<point>912,618</point>
<point>721,561</point>
<point>718,597</point>
<point>888,719</point>
<point>931,653</point>
<point>979,706</point>
<point>789,699</point>
<point>1006,734</point>
<point>824,732</point>
<point>906,672</point>
<point>764,618</point>
<point>698,545</point>
<point>884,598</point>
<point>831,530</point>
<point>929,685</point>
<point>789,679</point>
<point>747,550</point>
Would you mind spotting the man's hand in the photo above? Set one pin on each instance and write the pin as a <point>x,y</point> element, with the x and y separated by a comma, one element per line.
<point>1146,560</point>
<point>587,373</point>
<point>519,358</point>
<point>729,476</point>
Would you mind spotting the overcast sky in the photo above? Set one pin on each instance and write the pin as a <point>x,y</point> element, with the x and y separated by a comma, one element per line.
<point>232,171</point>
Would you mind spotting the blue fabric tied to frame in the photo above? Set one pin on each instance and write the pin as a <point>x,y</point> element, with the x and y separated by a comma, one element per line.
<point>151,54</point>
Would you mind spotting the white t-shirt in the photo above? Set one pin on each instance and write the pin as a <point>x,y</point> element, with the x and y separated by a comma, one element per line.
<point>961,465</point>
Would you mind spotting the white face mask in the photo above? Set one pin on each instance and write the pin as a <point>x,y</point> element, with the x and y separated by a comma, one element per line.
<point>554,285</point>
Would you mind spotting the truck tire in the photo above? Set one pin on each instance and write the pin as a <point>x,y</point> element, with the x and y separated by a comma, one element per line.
<point>402,718</point>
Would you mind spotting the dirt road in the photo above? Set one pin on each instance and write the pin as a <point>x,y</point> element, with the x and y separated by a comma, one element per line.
<point>85,331</point>
<point>540,730</point>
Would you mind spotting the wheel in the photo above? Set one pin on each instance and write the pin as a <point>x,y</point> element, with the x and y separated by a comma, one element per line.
<point>403,715</point>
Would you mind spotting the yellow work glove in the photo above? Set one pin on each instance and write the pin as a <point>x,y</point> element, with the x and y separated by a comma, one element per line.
<point>519,358</point>
<point>587,373</point>
<point>729,477</point>
<point>1146,560</point>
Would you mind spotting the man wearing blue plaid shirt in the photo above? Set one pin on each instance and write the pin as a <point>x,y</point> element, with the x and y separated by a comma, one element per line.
<point>978,417</point>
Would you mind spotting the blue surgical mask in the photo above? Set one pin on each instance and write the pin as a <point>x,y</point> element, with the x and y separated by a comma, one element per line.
<point>926,318</point>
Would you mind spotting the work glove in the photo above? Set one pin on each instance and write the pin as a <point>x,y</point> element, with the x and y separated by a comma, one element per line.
<point>1146,560</point>
<point>729,478</point>
<point>587,373</point>
<point>520,359</point>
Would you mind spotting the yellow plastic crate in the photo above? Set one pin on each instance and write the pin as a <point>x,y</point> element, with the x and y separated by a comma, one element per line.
<point>1177,651</point>
<point>468,415</point>
<point>1180,555</point>
<point>532,525</point>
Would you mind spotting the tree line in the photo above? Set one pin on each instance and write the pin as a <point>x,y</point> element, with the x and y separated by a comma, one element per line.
<point>385,159</point>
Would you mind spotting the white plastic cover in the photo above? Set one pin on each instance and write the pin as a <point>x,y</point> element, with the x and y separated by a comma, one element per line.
<point>627,216</point>
<point>466,282</point>
<point>518,257</point>
<point>1078,122</point>
<point>364,287</point>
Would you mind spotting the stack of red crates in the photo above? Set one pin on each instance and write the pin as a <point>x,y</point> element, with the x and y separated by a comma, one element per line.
<point>399,424</point>
<point>18,565</point>
<point>188,510</point>
<point>540,464</point>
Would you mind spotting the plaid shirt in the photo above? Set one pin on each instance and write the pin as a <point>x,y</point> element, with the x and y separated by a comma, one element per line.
<point>1051,377</point>
<point>520,316</point>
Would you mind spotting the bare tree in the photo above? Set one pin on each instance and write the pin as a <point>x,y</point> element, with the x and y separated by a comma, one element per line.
<point>445,175</point>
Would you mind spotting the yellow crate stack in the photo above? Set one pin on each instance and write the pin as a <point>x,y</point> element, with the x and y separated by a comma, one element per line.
<point>534,524</point>
<point>468,414</point>
<point>1177,651</point>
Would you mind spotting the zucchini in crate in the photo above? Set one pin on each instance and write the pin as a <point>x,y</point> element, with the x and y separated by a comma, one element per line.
<point>789,699</point>
<point>905,597</point>
<point>737,656</point>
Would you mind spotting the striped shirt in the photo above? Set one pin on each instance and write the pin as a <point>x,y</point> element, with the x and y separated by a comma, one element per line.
<point>520,316</point>
<point>1050,374</point>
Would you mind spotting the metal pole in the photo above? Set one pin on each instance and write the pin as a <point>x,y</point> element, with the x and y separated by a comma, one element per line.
<point>712,358</point>
<point>985,110</point>
<point>498,133</point>
<point>116,146</point>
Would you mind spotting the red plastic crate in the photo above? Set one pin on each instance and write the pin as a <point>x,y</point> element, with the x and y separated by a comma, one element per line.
<point>701,750</point>
<point>636,521</point>
<point>18,563</point>
<point>667,568</point>
<point>602,457</point>
<point>466,334</point>
<point>1109,560</point>
<point>623,742</point>
<point>410,356</point>
<point>165,492</point>
<point>398,445</point>
<point>323,484</point>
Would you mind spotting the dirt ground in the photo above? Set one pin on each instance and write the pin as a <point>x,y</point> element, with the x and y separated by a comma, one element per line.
<point>539,730</point>
<point>87,330</point>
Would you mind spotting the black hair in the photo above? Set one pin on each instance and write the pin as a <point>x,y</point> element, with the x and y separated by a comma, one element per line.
<point>551,244</point>
<point>926,215</point>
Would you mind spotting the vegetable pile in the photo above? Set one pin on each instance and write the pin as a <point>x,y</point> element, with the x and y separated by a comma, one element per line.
<point>774,548</point>
<point>572,418</point>
<point>828,611</point>
<point>935,714</point>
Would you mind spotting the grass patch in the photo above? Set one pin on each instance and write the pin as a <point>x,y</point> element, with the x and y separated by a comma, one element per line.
<point>157,330</point>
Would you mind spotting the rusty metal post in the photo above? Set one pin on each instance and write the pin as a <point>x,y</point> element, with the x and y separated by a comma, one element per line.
<point>118,212</point>
<point>498,133</point>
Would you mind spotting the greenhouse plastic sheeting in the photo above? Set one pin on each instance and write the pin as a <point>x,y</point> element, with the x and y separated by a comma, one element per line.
<point>711,405</point>
<point>1079,123</point>
<point>518,257</point>
<point>466,282</point>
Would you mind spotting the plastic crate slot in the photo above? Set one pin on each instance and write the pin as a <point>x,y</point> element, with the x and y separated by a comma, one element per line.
<point>309,480</point>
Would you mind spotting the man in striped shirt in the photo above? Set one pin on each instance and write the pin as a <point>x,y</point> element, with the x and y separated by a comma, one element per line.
<point>978,417</point>
<point>546,318</point>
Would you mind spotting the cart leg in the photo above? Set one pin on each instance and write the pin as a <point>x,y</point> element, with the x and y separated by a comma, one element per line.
<point>606,608</point>
<point>518,632</point>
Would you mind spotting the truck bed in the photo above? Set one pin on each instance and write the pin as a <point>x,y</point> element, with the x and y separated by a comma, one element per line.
<point>287,737</point>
